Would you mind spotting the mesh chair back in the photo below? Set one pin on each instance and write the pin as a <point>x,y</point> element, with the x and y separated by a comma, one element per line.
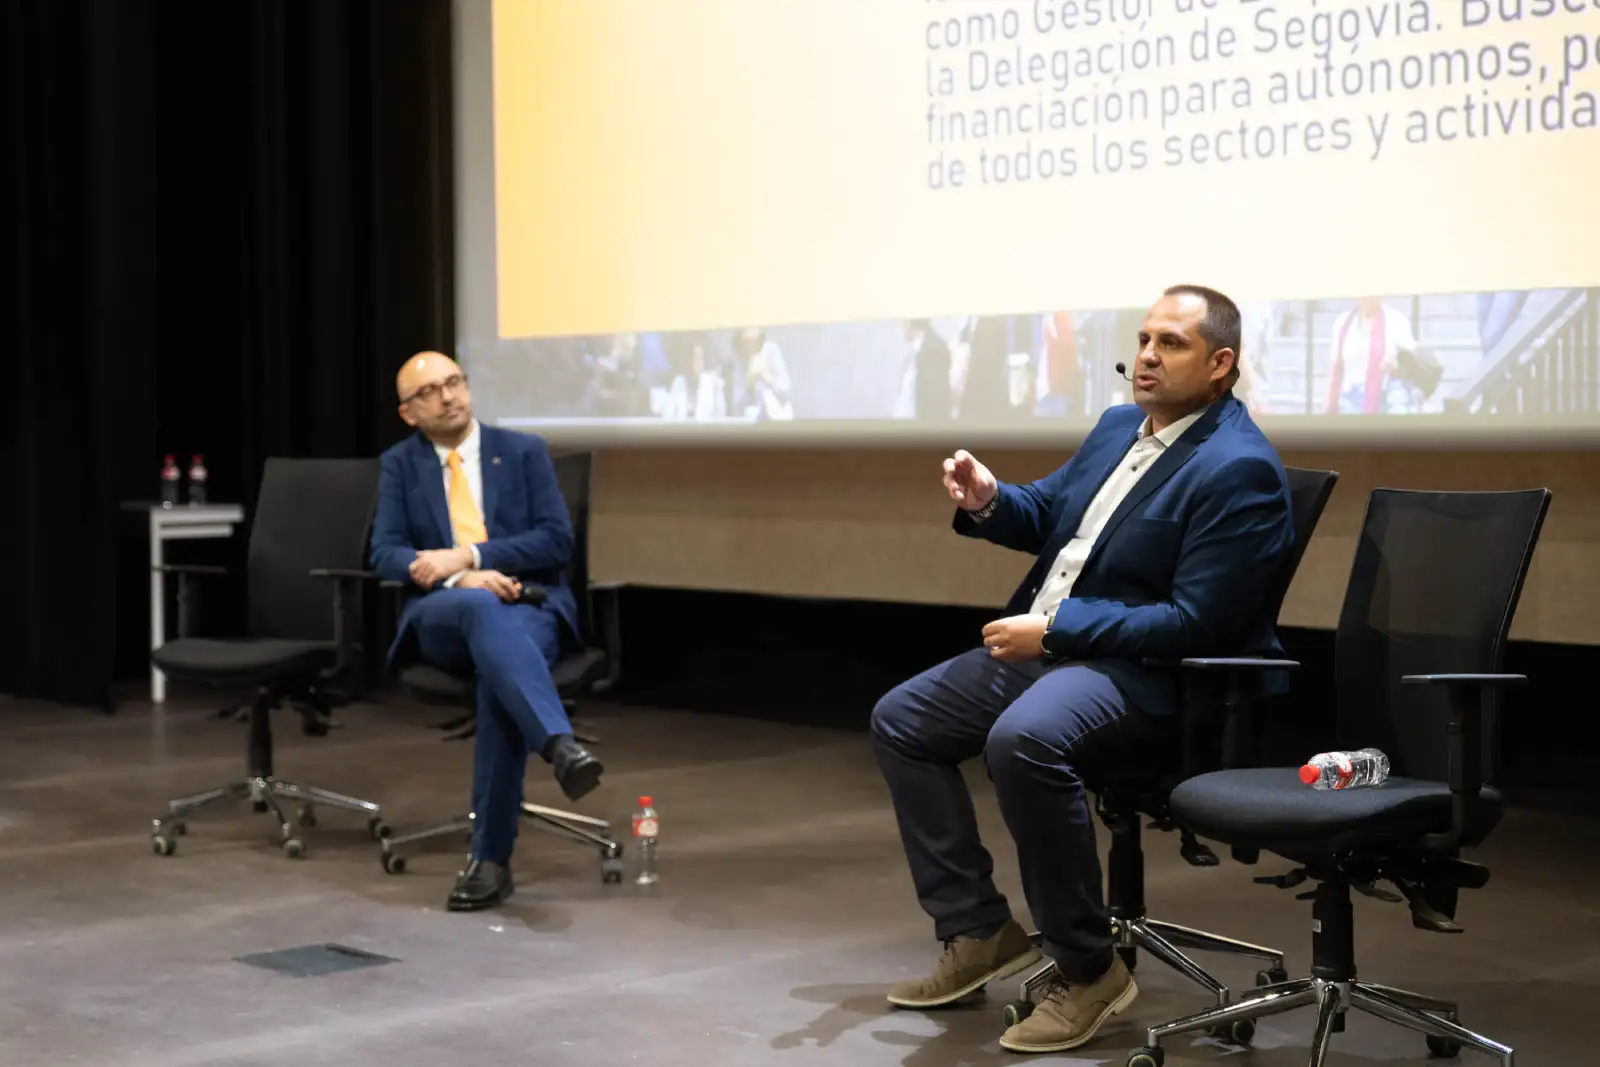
<point>572,474</point>
<point>1435,582</point>
<point>1309,491</point>
<point>312,513</point>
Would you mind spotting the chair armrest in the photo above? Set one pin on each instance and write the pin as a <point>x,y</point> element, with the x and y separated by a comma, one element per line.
<point>1469,699</point>
<point>184,569</point>
<point>1463,679</point>
<point>1239,663</point>
<point>1237,675</point>
<point>343,572</point>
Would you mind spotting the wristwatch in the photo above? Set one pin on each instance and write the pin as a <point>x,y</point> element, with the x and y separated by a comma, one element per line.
<point>988,509</point>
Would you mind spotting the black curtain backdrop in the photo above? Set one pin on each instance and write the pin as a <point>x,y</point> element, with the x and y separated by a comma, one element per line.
<point>232,222</point>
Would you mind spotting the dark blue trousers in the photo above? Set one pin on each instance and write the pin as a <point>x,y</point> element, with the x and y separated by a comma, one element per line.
<point>1038,731</point>
<point>511,647</point>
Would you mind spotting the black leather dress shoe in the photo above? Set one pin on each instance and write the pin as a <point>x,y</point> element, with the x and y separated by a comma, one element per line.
<point>576,768</point>
<point>483,884</point>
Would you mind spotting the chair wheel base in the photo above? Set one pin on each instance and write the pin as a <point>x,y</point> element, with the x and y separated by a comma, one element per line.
<point>1016,1012</point>
<point>1147,1057</point>
<point>1239,1032</point>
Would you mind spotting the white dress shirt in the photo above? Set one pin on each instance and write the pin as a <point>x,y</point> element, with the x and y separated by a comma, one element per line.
<point>1075,553</point>
<point>472,466</point>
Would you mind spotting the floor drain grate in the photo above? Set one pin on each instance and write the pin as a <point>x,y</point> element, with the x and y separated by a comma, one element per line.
<point>309,961</point>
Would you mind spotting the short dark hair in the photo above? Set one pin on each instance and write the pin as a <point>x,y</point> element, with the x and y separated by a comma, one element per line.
<point>1221,328</point>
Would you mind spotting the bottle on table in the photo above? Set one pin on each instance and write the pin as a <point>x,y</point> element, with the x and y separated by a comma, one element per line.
<point>646,831</point>
<point>197,479</point>
<point>171,479</point>
<point>1345,770</point>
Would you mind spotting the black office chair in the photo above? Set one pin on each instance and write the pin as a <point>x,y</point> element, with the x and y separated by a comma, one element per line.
<point>576,673</point>
<point>1126,795</point>
<point>307,541</point>
<point>1435,583</point>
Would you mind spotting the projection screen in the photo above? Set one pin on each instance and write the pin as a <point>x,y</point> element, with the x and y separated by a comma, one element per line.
<point>915,221</point>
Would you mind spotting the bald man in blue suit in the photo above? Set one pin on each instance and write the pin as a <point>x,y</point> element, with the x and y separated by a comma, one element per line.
<point>468,515</point>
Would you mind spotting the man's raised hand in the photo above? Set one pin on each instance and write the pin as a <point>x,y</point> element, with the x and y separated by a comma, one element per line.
<point>968,482</point>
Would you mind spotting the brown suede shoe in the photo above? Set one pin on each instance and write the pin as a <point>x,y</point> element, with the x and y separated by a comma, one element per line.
<point>1069,1015</point>
<point>967,966</point>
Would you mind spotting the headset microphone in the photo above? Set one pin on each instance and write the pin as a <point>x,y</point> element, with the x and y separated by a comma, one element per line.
<point>1122,369</point>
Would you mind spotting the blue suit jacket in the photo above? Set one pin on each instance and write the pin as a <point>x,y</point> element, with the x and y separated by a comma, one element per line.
<point>1186,566</point>
<point>530,532</point>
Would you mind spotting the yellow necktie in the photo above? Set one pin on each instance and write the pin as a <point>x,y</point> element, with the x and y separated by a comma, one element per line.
<point>465,517</point>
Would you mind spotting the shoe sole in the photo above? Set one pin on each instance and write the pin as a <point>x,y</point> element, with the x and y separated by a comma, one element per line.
<point>1116,1007</point>
<point>479,905</point>
<point>1005,970</point>
<point>583,780</point>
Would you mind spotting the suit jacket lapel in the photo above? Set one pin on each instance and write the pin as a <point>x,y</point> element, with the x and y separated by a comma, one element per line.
<point>489,476</point>
<point>1166,465</point>
<point>430,479</point>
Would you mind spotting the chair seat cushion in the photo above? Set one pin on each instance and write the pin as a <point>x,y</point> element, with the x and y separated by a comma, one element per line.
<point>431,685</point>
<point>1271,808</point>
<point>247,660</point>
<point>579,670</point>
<point>434,686</point>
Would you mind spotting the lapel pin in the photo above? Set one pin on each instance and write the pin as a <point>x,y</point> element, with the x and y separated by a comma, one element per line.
<point>495,461</point>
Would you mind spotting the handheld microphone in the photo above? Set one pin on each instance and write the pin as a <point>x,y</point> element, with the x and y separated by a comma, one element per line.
<point>1122,369</point>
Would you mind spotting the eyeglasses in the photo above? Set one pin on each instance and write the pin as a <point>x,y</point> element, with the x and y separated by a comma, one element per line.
<point>430,393</point>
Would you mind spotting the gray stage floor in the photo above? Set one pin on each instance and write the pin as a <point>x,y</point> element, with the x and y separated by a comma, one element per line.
<point>783,912</point>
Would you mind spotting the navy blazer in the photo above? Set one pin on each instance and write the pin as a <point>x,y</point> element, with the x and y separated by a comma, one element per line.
<point>530,531</point>
<point>1185,566</point>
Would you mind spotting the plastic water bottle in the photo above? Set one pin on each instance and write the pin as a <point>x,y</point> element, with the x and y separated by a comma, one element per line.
<point>197,480</point>
<point>1345,770</point>
<point>171,476</point>
<point>646,829</point>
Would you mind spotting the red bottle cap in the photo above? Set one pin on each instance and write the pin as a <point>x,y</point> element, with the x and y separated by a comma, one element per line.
<point>645,802</point>
<point>1309,774</point>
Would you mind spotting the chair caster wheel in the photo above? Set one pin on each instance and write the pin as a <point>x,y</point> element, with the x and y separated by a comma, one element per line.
<point>294,848</point>
<point>393,864</point>
<point>1147,1057</point>
<point>1015,1012</point>
<point>1443,1047</point>
<point>307,815</point>
<point>260,806</point>
<point>610,871</point>
<point>1275,976</point>
<point>162,845</point>
<point>1239,1032</point>
<point>378,828</point>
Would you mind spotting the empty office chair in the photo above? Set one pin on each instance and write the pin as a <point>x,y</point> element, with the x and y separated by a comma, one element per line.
<point>1126,795</point>
<point>1435,582</point>
<point>307,543</point>
<point>575,674</point>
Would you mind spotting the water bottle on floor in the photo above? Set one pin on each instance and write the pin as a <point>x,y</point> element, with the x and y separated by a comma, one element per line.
<point>646,829</point>
<point>1345,770</point>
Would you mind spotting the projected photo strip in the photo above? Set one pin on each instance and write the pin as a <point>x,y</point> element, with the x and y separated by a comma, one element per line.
<point>1476,354</point>
<point>724,219</point>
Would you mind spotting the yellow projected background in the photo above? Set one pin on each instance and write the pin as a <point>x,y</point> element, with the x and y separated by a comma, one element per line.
<point>673,164</point>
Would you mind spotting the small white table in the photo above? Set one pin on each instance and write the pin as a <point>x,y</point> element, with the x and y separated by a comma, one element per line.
<point>177,522</point>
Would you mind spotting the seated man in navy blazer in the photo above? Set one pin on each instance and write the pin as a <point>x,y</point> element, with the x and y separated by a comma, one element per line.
<point>467,514</point>
<point>1161,537</point>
